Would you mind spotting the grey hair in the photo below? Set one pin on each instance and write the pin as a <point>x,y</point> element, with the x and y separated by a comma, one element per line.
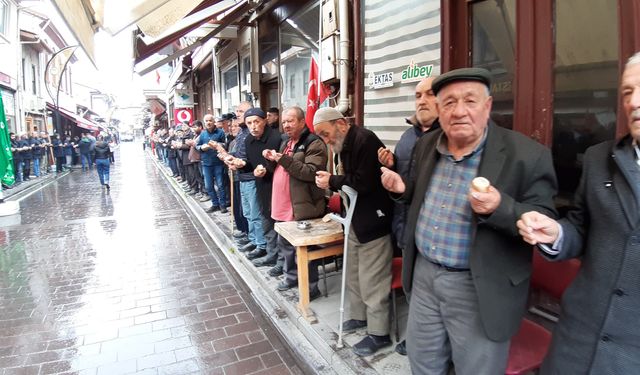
<point>633,60</point>
<point>298,111</point>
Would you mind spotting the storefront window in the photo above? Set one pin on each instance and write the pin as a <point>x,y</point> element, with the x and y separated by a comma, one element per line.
<point>298,42</point>
<point>268,51</point>
<point>9,111</point>
<point>231,91</point>
<point>4,17</point>
<point>586,79</point>
<point>493,25</point>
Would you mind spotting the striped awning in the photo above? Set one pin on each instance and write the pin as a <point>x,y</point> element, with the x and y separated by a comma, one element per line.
<point>80,121</point>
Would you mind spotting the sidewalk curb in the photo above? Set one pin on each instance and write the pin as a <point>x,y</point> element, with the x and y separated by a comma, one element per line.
<point>307,344</point>
<point>39,184</point>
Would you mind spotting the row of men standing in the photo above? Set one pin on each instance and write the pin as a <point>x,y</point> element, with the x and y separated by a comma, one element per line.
<point>29,149</point>
<point>466,268</point>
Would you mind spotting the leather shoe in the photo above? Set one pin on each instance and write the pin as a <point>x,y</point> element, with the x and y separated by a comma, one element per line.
<point>401,348</point>
<point>246,248</point>
<point>242,241</point>
<point>371,344</point>
<point>264,262</point>
<point>275,271</point>
<point>257,253</point>
<point>285,285</point>
<point>353,324</point>
<point>212,209</point>
<point>223,210</point>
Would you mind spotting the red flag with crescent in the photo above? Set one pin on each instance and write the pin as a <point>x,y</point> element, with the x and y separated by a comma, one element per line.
<point>317,94</point>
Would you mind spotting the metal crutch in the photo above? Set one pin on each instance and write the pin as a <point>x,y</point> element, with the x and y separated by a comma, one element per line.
<point>346,223</point>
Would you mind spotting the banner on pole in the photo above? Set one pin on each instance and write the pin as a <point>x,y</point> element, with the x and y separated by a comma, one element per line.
<point>6,157</point>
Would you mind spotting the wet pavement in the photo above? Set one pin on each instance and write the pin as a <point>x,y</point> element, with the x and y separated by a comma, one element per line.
<point>120,282</point>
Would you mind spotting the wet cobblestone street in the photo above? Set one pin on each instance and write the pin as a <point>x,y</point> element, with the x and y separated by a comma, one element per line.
<point>120,282</point>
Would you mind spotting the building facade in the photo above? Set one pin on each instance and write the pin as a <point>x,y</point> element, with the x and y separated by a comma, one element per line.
<point>556,63</point>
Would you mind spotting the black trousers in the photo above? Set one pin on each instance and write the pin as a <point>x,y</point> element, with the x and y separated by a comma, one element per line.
<point>60,161</point>
<point>26,169</point>
<point>238,216</point>
<point>190,172</point>
<point>199,178</point>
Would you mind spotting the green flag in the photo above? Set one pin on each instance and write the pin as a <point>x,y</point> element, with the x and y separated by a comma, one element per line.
<point>6,158</point>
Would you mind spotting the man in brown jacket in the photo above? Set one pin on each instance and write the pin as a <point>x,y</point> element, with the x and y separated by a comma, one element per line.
<point>295,195</point>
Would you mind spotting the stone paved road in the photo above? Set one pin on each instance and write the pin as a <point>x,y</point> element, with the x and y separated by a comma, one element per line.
<point>116,283</point>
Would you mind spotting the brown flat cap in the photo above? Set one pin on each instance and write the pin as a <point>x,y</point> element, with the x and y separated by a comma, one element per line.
<point>464,74</point>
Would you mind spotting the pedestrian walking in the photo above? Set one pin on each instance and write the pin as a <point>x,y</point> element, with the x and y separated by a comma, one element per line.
<point>103,157</point>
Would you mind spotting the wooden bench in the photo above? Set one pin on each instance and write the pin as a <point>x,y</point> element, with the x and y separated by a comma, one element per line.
<point>328,235</point>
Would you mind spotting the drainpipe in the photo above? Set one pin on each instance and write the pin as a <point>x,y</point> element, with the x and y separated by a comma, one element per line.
<point>345,43</point>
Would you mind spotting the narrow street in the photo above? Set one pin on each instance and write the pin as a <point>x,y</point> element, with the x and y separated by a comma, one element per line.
<point>121,282</point>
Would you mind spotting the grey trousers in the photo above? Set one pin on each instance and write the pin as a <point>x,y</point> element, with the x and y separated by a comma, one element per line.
<point>369,282</point>
<point>271,237</point>
<point>290,266</point>
<point>444,326</point>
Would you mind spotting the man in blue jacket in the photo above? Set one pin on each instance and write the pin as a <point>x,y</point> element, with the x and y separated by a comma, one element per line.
<point>212,167</point>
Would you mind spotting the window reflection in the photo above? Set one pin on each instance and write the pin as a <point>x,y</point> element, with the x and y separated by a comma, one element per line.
<point>298,42</point>
<point>586,79</point>
<point>493,34</point>
<point>231,91</point>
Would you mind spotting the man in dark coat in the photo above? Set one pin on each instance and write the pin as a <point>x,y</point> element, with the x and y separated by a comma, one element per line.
<point>370,250</point>
<point>26,154</point>
<point>261,138</point>
<point>464,266</point>
<point>17,157</point>
<point>598,330</point>
<point>423,121</point>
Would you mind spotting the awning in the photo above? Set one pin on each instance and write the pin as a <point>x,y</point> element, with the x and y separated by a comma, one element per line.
<point>85,17</point>
<point>80,18</point>
<point>190,23</point>
<point>233,15</point>
<point>80,121</point>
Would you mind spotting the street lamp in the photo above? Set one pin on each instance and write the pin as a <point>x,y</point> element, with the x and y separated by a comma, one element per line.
<point>54,72</point>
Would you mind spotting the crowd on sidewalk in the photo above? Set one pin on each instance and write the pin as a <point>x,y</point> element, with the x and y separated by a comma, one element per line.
<point>37,153</point>
<point>466,267</point>
<point>275,177</point>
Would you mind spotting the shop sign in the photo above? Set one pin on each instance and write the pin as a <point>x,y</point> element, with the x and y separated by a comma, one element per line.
<point>414,72</point>
<point>379,81</point>
<point>9,103</point>
<point>183,114</point>
<point>183,98</point>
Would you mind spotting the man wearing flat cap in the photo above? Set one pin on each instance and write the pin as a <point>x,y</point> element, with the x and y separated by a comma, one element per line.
<point>370,248</point>
<point>465,268</point>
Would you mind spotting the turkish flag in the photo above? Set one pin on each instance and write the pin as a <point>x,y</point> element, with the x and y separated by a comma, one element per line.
<point>313,98</point>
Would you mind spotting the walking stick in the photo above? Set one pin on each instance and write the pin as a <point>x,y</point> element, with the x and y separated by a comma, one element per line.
<point>231,186</point>
<point>346,223</point>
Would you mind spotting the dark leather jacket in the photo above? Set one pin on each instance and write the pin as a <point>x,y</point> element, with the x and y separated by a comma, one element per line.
<point>102,150</point>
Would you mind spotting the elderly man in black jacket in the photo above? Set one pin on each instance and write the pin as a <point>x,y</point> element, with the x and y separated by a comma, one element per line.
<point>370,249</point>
<point>598,331</point>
